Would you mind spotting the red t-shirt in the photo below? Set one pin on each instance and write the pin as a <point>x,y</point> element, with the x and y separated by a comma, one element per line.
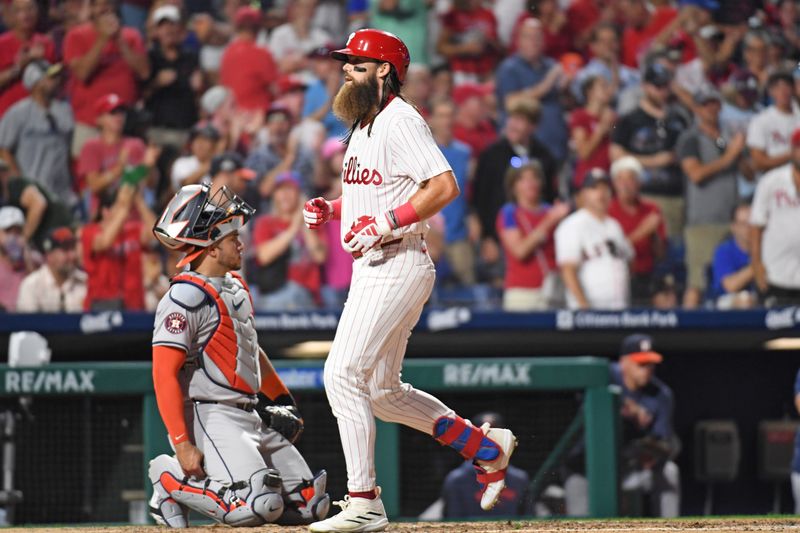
<point>462,24</point>
<point>115,273</point>
<point>581,118</point>
<point>530,272</point>
<point>10,47</point>
<point>476,138</point>
<point>112,74</point>
<point>97,156</point>
<point>249,71</point>
<point>635,41</point>
<point>645,259</point>
<point>302,270</point>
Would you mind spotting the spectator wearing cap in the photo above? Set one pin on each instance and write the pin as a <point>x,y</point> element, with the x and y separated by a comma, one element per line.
<point>648,441</point>
<point>42,211</point>
<point>530,75</point>
<point>709,160</point>
<point>105,158</point>
<point>712,65</point>
<point>525,226</point>
<point>469,41</point>
<point>408,19</point>
<point>321,90</point>
<point>605,49</point>
<point>288,255</point>
<point>112,251</point>
<point>16,259</point>
<point>462,493</point>
<point>292,41</point>
<point>194,167</point>
<point>642,223</point>
<point>516,147</point>
<point>459,244</point>
<point>247,69</point>
<point>20,45</point>
<point>281,153</point>
<point>103,58</point>
<point>228,170</point>
<point>58,286</point>
<point>770,132</point>
<point>775,245</point>
<point>473,125</point>
<point>649,134</point>
<point>174,83</point>
<point>732,276</point>
<point>593,252</point>
<point>590,127</point>
<point>35,133</point>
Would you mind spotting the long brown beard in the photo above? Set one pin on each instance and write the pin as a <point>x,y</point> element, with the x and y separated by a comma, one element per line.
<point>356,101</point>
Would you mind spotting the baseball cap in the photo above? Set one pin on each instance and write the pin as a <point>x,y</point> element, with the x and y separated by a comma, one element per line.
<point>639,348</point>
<point>108,103</point>
<point>627,162</point>
<point>706,94</point>
<point>288,83</point>
<point>11,216</point>
<point>166,12</point>
<point>230,162</point>
<point>247,16</point>
<point>333,145</point>
<point>595,176</point>
<point>61,237</point>
<point>279,109</point>
<point>287,178</point>
<point>780,75</point>
<point>657,74</point>
<point>323,52</point>
<point>464,92</point>
<point>36,70</point>
<point>205,130</point>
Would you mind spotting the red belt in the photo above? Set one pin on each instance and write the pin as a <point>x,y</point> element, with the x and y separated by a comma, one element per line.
<point>357,255</point>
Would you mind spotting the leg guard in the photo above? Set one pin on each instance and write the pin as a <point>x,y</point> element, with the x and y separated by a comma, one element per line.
<point>308,502</point>
<point>465,438</point>
<point>163,508</point>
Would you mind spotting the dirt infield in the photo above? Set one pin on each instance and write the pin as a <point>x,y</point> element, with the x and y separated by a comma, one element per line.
<point>722,525</point>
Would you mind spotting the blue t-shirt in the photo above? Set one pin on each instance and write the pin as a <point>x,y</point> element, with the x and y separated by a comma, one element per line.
<point>515,74</point>
<point>317,96</point>
<point>656,397</point>
<point>728,258</point>
<point>455,213</point>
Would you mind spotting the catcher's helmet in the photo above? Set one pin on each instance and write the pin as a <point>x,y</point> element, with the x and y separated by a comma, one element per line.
<point>376,44</point>
<point>194,220</point>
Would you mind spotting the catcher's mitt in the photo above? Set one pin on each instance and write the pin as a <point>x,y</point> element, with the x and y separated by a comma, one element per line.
<point>285,419</point>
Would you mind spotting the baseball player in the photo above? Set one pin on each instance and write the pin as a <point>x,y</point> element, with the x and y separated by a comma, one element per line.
<point>230,418</point>
<point>394,177</point>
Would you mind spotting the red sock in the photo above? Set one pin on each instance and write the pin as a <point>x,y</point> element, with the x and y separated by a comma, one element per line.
<point>368,495</point>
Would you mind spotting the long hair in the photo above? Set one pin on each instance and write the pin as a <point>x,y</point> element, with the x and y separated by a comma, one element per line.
<point>391,87</point>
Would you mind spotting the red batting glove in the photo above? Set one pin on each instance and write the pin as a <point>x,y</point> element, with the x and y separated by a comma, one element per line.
<point>317,212</point>
<point>366,233</point>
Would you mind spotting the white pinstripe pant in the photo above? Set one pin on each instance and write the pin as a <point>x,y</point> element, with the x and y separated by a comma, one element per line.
<point>362,373</point>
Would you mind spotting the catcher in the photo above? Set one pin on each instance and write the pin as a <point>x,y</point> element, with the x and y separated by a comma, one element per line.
<point>230,418</point>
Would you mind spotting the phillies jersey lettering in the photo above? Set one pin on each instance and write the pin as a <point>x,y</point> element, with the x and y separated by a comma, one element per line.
<point>383,170</point>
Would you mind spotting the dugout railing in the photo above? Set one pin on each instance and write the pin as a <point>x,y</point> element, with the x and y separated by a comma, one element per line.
<point>488,377</point>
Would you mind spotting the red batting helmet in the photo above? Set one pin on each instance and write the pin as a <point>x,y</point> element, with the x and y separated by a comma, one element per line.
<point>376,44</point>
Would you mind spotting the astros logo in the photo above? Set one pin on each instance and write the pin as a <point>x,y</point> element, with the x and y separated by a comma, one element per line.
<point>175,323</point>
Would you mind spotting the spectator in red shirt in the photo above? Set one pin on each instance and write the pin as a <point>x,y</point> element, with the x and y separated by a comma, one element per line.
<point>590,128</point>
<point>288,254</point>
<point>643,224</point>
<point>112,251</point>
<point>558,39</point>
<point>19,46</point>
<point>525,226</point>
<point>469,41</point>
<point>248,70</point>
<point>472,124</point>
<point>104,159</point>
<point>103,58</point>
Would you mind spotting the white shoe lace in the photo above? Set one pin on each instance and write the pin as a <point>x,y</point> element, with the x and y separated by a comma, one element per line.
<point>344,504</point>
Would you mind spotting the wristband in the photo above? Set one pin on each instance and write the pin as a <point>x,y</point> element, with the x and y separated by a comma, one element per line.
<point>405,215</point>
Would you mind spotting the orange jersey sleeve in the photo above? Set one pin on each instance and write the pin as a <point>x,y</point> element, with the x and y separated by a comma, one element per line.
<point>167,362</point>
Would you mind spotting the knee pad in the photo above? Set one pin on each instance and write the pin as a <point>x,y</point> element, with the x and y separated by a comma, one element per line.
<point>264,497</point>
<point>308,502</point>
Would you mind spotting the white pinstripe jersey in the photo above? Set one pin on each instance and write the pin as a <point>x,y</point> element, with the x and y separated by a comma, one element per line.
<point>383,170</point>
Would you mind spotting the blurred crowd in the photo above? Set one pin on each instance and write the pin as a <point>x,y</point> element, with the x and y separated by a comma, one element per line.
<point>610,153</point>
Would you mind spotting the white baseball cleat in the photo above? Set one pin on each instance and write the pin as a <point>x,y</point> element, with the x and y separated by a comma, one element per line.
<point>357,515</point>
<point>167,512</point>
<point>492,474</point>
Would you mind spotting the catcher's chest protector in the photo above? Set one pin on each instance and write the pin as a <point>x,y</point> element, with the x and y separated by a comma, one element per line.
<point>230,356</point>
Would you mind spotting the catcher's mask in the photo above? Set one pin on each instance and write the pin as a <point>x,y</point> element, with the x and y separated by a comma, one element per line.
<point>193,220</point>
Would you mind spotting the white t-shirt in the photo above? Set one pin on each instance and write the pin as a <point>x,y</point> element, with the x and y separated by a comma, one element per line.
<point>39,293</point>
<point>284,41</point>
<point>771,131</point>
<point>776,208</point>
<point>383,170</point>
<point>182,168</point>
<point>602,252</point>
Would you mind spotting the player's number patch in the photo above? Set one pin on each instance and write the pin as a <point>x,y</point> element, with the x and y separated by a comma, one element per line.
<point>175,323</point>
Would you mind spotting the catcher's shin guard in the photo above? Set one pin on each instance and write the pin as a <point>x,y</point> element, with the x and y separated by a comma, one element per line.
<point>163,508</point>
<point>308,502</point>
